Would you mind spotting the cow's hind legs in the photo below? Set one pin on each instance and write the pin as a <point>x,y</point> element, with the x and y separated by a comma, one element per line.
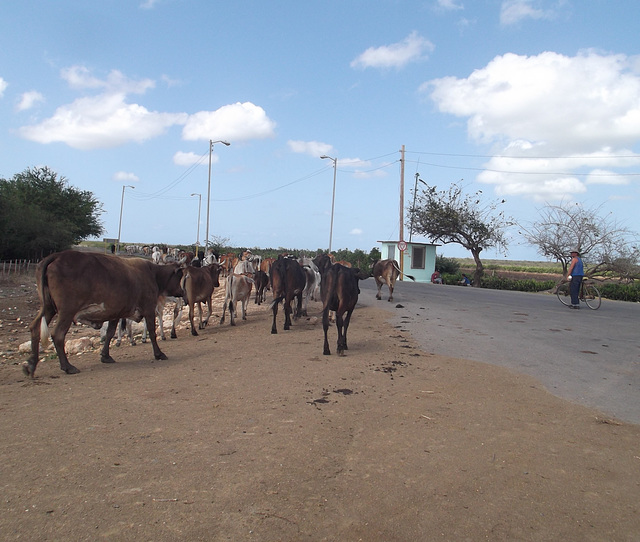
<point>105,357</point>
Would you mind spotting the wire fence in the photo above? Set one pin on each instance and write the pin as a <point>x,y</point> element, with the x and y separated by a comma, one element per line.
<point>17,267</point>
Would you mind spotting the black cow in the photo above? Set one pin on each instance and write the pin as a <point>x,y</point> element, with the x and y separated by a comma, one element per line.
<point>262,283</point>
<point>339,291</point>
<point>95,288</point>
<point>287,282</point>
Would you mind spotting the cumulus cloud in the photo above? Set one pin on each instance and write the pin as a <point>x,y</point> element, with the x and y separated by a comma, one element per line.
<point>235,122</point>
<point>189,158</point>
<point>102,121</point>
<point>312,148</point>
<point>125,177</point>
<point>356,231</point>
<point>29,100</point>
<point>578,112</point>
<point>397,55</point>
<point>109,118</point>
<point>3,87</point>
<point>514,11</point>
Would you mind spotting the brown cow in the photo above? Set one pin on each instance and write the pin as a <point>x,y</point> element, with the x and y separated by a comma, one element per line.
<point>198,284</point>
<point>287,283</point>
<point>339,290</point>
<point>386,272</point>
<point>94,288</point>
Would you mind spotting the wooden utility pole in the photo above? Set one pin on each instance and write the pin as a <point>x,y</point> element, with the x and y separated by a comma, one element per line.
<point>402,194</point>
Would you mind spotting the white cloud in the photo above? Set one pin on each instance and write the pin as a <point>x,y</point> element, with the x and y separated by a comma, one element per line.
<point>3,87</point>
<point>312,148</point>
<point>412,49</point>
<point>124,177</point>
<point>603,176</point>
<point>189,158</point>
<point>102,121</point>
<point>355,231</point>
<point>29,99</point>
<point>235,122</point>
<point>108,119</point>
<point>580,112</point>
<point>514,11</point>
<point>450,5</point>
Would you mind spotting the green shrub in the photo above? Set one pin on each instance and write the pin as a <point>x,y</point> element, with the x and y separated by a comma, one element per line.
<point>520,285</point>
<point>447,266</point>
<point>621,292</point>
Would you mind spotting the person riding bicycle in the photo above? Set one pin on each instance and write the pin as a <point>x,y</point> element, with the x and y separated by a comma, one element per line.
<point>575,275</point>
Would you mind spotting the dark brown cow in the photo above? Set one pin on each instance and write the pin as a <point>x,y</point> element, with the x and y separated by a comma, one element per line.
<point>262,282</point>
<point>339,290</point>
<point>287,283</point>
<point>198,284</point>
<point>387,272</point>
<point>95,288</point>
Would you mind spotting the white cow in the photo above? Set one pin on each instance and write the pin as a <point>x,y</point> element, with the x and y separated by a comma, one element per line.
<point>238,289</point>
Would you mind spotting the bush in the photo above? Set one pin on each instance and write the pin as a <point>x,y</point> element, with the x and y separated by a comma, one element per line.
<point>620,292</point>
<point>520,285</point>
<point>447,266</point>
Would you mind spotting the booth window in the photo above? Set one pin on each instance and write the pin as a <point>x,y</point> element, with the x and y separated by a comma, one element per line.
<point>418,257</point>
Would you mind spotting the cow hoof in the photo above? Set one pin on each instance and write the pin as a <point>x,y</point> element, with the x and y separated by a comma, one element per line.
<point>173,335</point>
<point>327,352</point>
<point>28,370</point>
<point>194,332</point>
<point>274,332</point>
<point>161,356</point>
<point>105,359</point>
<point>71,370</point>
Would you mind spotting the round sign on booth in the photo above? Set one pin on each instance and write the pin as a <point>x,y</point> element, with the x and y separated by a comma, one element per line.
<point>402,246</point>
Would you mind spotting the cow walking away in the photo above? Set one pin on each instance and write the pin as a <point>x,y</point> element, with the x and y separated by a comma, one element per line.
<point>287,283</point>
<point>91,289</point>
<point>238,290</point>
<point>387,272</point>
<point>197,287</point>
<point>262,282</point>
<point>339,290</point>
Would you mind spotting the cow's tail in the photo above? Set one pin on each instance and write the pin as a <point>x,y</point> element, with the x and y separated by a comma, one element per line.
<point>45,334</point>
<point>395,265</point>
<point>46,301</point>
<point>276,301</point>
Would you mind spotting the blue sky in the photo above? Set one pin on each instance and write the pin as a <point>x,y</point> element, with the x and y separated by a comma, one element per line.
<point>531,101</point>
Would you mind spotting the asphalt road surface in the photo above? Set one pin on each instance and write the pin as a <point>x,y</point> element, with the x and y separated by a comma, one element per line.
<point>589,357</point>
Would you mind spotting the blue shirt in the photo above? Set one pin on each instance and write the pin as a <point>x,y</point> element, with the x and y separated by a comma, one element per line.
<point>578,269</point>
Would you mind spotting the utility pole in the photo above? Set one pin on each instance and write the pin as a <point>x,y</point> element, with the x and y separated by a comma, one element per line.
<point>401,210</point>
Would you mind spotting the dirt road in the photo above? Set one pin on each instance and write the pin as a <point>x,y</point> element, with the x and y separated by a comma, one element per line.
<point>244,435</point>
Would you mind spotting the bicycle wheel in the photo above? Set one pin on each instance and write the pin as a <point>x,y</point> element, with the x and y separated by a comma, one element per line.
<point>591,296</point>
<point>563,294</point>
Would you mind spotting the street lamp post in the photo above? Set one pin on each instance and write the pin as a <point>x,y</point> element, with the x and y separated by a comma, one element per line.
<point>121,206</point>
<point>198,230</point>
<point>211,144</point>
<point>333,198</point>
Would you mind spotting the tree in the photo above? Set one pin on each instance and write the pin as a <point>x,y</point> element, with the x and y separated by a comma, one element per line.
<point>605,246</point>
<point>450,216</point>
<point>40,214</point>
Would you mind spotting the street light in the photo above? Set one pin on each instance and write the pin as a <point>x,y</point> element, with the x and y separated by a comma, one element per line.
<point>415,190</point>
<point>211,144</point>
<point>198,230</point>
<point>121,206</point>
<point>333,198</point>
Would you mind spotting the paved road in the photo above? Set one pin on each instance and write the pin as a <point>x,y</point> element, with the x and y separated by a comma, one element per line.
<point>590,357</point>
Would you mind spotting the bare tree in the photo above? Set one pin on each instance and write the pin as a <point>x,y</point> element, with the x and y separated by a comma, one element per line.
<point>605,245</point>
<point>450,216</point>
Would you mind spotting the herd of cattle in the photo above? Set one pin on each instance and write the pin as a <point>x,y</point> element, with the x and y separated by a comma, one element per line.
<point>96,289</point>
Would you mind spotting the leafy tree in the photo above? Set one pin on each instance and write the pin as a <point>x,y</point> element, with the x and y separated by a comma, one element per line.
<point>40,214</point>
<point>605,245</point>
<point>451,216</point>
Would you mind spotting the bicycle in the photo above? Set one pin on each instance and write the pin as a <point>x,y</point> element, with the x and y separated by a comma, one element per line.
<point>588,294</point>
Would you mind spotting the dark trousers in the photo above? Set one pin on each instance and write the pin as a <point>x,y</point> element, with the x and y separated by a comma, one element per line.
<point>574,289</point>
